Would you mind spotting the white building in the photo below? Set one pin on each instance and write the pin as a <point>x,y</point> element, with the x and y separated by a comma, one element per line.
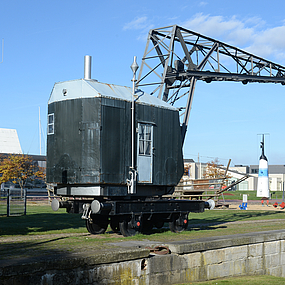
<point>276,174</point>
<point>9,141</point>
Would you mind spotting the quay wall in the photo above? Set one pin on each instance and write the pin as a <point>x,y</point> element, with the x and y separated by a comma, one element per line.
<point>131,262</point>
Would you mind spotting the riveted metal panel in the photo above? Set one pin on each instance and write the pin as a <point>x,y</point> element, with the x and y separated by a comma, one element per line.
<point>74,148</point>
<point>167,146</point>
<point>64,159</point>
<point>90,129</point>
<point>170,206</point>
<point>115,141</point>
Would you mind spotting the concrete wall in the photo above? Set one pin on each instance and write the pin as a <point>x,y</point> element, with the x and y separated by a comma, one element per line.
<point>193,260</point>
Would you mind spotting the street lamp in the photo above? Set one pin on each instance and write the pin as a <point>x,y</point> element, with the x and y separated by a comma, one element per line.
<point>133,172</point>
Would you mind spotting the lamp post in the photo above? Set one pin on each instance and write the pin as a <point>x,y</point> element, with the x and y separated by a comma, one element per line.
<point>133,172</point>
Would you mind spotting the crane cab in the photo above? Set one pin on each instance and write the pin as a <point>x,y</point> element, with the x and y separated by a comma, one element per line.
<point>89,144</point>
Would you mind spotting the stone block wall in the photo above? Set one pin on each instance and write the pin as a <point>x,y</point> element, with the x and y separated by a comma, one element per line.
<point>189,261</point>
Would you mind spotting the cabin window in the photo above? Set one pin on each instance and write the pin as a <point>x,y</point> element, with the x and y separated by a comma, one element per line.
<point>51,124</point>
<point>145,139</point>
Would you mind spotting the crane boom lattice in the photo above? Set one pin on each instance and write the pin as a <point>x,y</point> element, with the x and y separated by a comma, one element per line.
<point>175,58</point>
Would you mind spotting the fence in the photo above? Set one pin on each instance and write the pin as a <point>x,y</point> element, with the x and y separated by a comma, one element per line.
<point>13,202</point>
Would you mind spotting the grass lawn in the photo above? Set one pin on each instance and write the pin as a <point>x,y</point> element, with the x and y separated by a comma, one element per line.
<point>247,280</point>
<point>238,195</point>
<point>41,220</point>
<point>45,231</point>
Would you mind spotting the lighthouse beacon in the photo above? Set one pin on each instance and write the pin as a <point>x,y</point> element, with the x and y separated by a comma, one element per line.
<point>263,183</point>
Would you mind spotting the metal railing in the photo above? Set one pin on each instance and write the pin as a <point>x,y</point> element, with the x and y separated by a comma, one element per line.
<point>13,202</point>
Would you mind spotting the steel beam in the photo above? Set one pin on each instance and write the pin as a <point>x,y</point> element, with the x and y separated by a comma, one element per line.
<point>179,55</point>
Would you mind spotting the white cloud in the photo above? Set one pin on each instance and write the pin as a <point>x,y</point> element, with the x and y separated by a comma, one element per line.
<point>270,41</point>
<point>215,26</point>
<point>137,24</point>
<point>143,24</point>
<point>249,34</point>
<point>203,3</point>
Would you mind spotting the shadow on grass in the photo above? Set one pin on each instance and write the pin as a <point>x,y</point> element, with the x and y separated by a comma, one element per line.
<point>47,222</point>
<point>26,253</point>
<point>233,216</point>
<point>211,221</point>
<point>41,223</point>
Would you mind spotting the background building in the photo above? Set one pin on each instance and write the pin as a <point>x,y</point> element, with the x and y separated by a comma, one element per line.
<point>9,141</point>
<point>10,144</point>
<point>276,173</point>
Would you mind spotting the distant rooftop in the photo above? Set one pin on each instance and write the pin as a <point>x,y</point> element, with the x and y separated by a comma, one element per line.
<point>188,160</point>
<point>9,141</point>
<point>272,169</point>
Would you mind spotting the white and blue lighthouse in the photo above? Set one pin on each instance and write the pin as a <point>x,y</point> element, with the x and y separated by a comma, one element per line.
<point>263,182</point>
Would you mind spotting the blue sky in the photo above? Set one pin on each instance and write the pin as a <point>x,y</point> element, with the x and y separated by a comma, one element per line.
<point>45,42</point>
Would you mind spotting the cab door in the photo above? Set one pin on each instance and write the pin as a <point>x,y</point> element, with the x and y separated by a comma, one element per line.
<point>145,152</point>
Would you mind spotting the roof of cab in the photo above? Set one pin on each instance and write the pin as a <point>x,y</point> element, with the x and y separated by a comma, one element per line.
<point>82,88</point>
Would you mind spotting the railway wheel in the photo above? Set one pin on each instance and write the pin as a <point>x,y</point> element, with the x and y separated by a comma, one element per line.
<point>97,224</point>
<point>159,224</point>
<point>114,224</point>
<point>127,227</point>
<point>158,221</point>
<point>147,225</point>
<point>178,224</point>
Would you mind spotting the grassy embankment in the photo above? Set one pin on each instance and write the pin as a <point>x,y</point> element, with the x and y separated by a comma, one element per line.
<point>251,195</point>
<point>41,220</point>
<point>247,280</point>
<point>42,233</point>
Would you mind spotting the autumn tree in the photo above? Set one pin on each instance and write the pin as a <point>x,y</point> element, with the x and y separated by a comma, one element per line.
<point>187,168</point>
<point>19,168</point>
<point>213,170</point>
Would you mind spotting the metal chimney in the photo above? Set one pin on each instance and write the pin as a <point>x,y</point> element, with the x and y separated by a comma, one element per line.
<point>87,67</point>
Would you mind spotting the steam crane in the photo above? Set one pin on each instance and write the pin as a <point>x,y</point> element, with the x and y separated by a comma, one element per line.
<point>109,156</point>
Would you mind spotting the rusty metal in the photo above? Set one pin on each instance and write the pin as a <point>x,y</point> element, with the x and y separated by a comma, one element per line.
<point>159,250</point>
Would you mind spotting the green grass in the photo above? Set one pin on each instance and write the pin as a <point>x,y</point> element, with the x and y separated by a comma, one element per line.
<point>41,220</point>
<point>247,280</point>
<point>44,232</point>
<point>238,195</point>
